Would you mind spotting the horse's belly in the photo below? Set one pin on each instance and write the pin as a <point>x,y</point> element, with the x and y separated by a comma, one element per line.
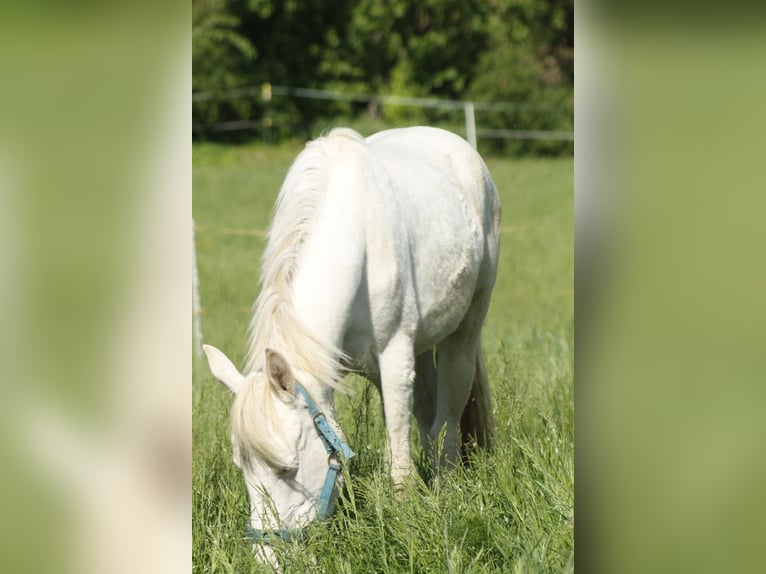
<point>426,297</point>
<point>443,300</point>
<point>447,249</point>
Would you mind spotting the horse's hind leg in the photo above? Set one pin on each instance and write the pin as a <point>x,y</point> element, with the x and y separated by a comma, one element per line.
<point>457,363</point>
<point>456,371</point>
<point>424,405</point>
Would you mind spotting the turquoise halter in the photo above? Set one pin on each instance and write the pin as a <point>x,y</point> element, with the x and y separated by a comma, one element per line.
<point>333,444</point>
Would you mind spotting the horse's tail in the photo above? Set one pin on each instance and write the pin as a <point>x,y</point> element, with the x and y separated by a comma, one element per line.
<point>476,422</point>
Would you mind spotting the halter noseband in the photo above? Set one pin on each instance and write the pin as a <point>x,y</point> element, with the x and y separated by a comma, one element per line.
<point>333,444</point>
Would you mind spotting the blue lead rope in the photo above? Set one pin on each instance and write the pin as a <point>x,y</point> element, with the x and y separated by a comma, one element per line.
<point>333,444</point>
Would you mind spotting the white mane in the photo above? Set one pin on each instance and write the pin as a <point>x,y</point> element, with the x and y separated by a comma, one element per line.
<point>274,324</point>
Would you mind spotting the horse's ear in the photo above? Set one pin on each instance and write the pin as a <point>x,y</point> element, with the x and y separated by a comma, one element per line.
<point>279,372</point>
<point>223,369</point>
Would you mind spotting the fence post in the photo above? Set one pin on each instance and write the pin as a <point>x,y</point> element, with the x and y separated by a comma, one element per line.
<point>470,124</point>
<point>196,310</point>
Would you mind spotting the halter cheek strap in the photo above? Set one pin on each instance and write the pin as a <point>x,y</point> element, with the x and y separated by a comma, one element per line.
<point>333,444</point>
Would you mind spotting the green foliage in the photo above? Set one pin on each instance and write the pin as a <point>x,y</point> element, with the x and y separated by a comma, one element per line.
<point>512,510</point>
<point>220,54</point>
<point>530,62</point>
<point>505,50</point>
<point>511,73</point>
<point>424,47</point>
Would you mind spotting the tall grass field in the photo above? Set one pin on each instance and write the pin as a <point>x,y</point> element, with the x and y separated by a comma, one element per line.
<point>510,510</point>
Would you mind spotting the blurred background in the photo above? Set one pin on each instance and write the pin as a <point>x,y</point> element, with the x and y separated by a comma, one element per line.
<point>96,114</point>
<point>266,70</point>
<point>268,76</point>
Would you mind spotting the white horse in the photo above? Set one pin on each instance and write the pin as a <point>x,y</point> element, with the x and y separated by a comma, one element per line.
<point>381,257</point>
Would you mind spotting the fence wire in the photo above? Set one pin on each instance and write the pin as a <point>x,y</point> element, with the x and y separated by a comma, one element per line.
<point>267,91</point>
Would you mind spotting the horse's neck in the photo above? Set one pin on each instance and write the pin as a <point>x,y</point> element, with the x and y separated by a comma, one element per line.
<point>330,271</point>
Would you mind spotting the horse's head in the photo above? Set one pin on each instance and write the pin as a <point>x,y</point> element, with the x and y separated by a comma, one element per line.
<point>287,451</point>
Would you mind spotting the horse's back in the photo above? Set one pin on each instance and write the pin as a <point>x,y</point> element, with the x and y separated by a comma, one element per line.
<point>422,154</point>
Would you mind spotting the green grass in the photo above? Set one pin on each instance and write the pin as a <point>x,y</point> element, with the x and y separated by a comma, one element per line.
<point>512,510</point>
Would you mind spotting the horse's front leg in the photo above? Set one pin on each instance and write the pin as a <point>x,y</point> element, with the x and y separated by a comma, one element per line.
<point>397,373</point>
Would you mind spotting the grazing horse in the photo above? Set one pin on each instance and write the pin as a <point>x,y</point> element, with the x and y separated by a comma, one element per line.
<point>381,257</point>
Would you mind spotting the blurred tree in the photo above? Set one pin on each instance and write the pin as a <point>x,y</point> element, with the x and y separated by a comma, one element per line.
<point>426,46</point>
<point>529,62</point>
<point>220,54</point>
<point>415,48</point>
<point>498,50</point>
<point>297,44</point>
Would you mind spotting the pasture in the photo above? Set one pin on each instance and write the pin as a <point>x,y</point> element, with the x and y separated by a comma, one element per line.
<point>512,510</point>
